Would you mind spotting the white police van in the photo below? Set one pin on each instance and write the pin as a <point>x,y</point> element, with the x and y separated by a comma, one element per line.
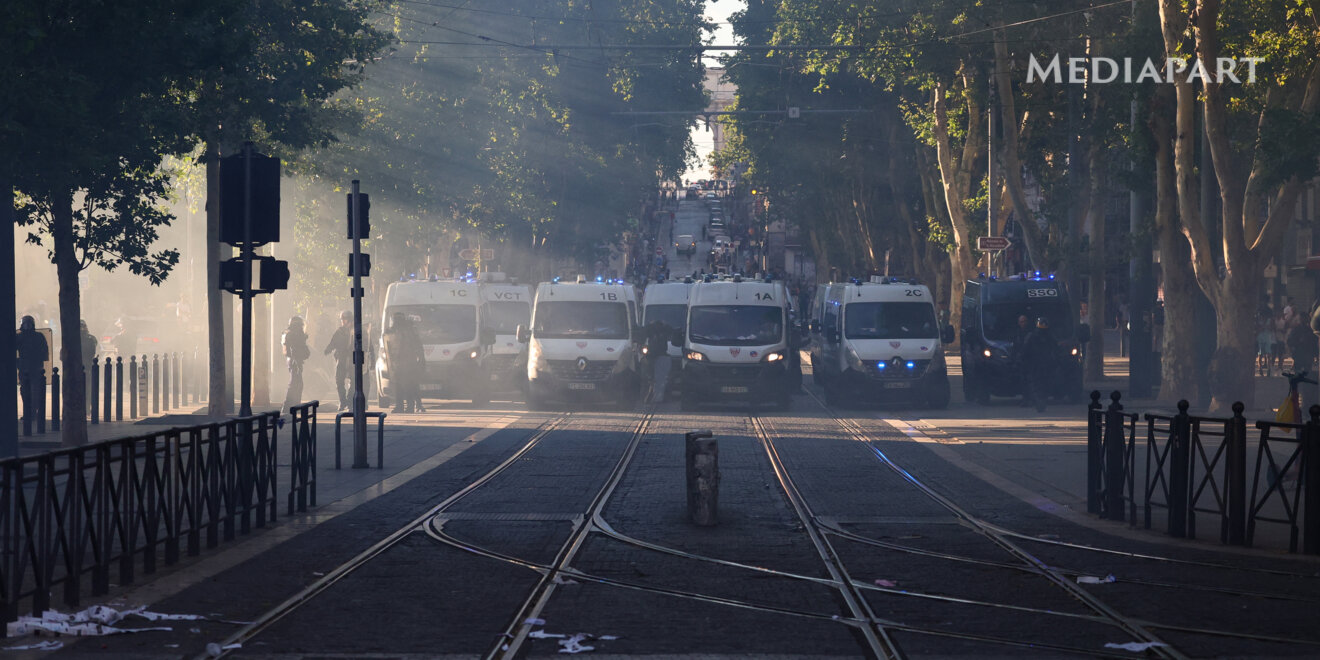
<point>505,305</point>
<point>737,343</point>
<point>582,343</point>
<point>446,315</point>
<point>881,341</point>
<point>667,302</point>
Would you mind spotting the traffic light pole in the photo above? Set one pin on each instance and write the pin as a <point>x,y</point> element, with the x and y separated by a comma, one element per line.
<point>359,397</point>
<point>245,254</point>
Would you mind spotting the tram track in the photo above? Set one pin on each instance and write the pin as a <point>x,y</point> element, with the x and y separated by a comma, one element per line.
<point>1066,577</point>
<point>339,573</point>
<point>875,633</point>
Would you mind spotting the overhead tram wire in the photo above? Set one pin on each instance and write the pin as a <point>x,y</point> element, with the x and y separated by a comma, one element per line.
<point>692,23</point>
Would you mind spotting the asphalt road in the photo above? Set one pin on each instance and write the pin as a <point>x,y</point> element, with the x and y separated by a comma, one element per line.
<point>936,561</point>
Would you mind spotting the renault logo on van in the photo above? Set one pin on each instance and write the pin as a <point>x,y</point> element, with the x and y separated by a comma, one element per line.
<point>895,344</point>
<point>582,364</point>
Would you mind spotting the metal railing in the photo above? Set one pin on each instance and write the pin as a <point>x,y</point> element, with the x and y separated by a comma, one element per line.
<point>1198,467</point>
<point>151,383</point>
<point>80,514</point>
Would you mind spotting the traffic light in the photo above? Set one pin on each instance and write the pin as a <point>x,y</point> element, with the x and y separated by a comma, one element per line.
<point>231,275</point>
<point>364,222</point>
<point>365,262</point>
<point>272,275</point>
<point>265,198</point>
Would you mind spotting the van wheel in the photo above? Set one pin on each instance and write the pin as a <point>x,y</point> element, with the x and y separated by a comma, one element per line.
<point>939,395</point>
<point>980,393</point>
<point>784,402</point>
<point>535,401</point>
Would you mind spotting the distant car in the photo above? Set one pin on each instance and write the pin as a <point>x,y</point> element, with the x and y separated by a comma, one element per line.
<point>686,244</point>
<point>716,226</point>
<point>711,195</point>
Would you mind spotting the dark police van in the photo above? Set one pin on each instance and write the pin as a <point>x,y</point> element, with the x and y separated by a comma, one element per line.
<point>990,312</point>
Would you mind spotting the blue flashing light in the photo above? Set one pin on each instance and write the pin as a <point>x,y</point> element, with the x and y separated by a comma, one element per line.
<point>911,365</point>
<point>1051,277</point>
<point>881,366</point>
<point>555,281</point>
<point>1037,273</point>
<point>599,278</point>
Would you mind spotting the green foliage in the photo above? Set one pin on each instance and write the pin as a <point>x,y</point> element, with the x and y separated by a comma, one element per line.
<point>470,133</point>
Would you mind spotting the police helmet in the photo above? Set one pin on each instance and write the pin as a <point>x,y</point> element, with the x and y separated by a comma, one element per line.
<point>346,315</point>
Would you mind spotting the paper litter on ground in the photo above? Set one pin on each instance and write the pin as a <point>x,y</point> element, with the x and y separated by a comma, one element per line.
<point>1135,647</point>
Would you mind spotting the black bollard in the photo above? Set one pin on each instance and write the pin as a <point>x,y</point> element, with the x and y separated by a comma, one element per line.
<point>1180,463</point>
<point>1235,465</point>
<point>703,478</point>
<point>1094,457</point>
<point>155,383</point>
<point>165,380</point>
<point>1115,472</point>
<point>1311,480</point>
<point>178,378</point>
<point>54,401</point>
<point>119,391</point>
<point>107,393</point>
<point>93,388</point>
<point>132,386</point>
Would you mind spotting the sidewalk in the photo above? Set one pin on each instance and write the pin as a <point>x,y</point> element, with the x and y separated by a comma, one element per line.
<point>1041,458</point>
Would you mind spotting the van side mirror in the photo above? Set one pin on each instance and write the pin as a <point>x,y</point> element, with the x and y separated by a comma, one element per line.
<point>487,337</point>
<point>946,334</point>
<point>1083,332</point>
<point>523,334</point>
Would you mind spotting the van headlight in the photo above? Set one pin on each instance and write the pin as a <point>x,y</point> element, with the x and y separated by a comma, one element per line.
<point>1075,351</point>
<point>774,357</point>
<point>854,361</point>
<point>696,356</point>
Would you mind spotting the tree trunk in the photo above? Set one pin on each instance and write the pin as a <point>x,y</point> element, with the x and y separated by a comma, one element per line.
<point>1095,213</point>
<point>1178,353</point>
<point>220,402</point>
<point>8,360</point>
<point>74,412</point>
<point>955,175</point>
<point>1232,374</point>
<point>1009,144</point>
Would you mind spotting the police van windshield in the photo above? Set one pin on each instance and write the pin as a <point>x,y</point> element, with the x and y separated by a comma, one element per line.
<point>440,324</point>
<point>736,325</point>
<point>503,318</point>
<point>889,320</point>
<point>674,316</point>
<point>1000,320</point>
<point>581,320</point>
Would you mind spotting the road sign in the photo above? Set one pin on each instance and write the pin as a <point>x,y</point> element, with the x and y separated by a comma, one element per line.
<point>992,243</point>
<point>472,254</point>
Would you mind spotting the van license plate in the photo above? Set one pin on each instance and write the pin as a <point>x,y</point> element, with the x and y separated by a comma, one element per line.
<point>734,389</point>
<point>581,386</point>
<point>898,385</point>
<point>431,387</point>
